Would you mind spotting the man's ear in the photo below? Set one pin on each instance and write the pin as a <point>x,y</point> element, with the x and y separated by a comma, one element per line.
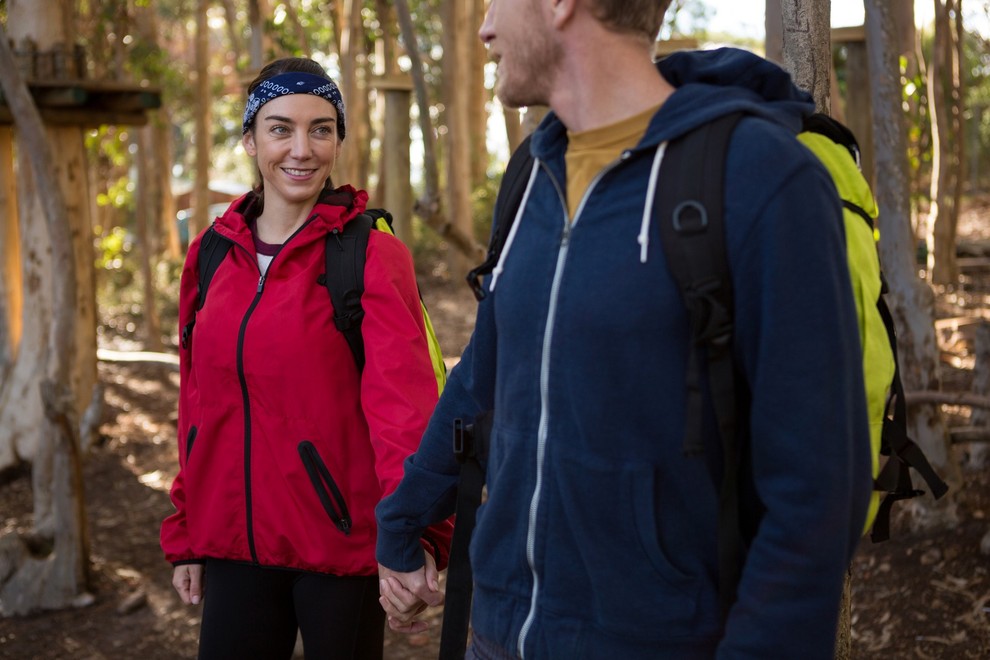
<point>562,11</point>
<point>248,142</point>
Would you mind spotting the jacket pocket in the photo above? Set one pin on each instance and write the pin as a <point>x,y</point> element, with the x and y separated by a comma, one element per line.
<point>190,438</point>
<point>326,488</point>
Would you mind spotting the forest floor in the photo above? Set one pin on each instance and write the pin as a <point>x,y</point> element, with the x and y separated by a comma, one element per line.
<point>923,594</point>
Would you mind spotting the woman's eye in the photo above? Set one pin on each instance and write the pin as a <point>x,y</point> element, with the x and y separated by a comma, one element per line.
<point>324,131</point>
<point>279,130</point>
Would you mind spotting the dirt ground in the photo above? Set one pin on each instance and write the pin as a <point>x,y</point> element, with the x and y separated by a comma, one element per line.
<point>920,595</point>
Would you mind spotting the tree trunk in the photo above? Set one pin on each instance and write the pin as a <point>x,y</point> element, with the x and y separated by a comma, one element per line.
<point>353,164</point>
<point>158,149</point>
<point>478,95</point>
<point>806,46</point>
<point>290,10</point>
<point>20,407</point>
<point>943,85</point>
<point>774,29</point>
<point>11,300</point>
<point>259,45</point>
<point>456,58</point>
<point>161,140</point>
<point>146,213</point>
<point>978,451</point>
<point>912,302</point>
<point>203,135</point>
<point>59,578</point>
<point>428,206</point>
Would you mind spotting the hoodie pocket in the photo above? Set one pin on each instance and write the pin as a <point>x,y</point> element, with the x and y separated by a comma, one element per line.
<point>190,438</point>
<point>326,488</point>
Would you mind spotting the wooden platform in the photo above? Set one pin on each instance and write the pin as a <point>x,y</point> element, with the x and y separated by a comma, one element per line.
<point>89,103</point>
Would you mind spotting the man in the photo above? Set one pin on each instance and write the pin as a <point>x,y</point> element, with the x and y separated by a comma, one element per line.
<point>598,537</point>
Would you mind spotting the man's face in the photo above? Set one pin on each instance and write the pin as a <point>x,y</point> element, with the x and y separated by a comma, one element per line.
<point>520,41</point>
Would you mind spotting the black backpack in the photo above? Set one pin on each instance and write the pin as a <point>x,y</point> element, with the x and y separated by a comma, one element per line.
<point>346,253</point>
<point>688,211</point>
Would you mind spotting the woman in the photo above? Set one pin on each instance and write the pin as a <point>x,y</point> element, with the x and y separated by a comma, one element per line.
<point>285,447</point>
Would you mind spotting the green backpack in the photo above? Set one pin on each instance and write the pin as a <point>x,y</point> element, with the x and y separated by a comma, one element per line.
<point>346,252</point>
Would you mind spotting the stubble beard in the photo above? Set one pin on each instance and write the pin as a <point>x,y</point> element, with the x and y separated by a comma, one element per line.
<point>533,77</point>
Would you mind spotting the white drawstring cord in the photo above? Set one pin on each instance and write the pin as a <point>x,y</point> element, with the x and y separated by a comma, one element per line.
<point>515,224</point>
<point>651,190</point>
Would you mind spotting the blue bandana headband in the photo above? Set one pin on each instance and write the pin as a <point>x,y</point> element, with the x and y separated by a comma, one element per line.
<point>293,83</point>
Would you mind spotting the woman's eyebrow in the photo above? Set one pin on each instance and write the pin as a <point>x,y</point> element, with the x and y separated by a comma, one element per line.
<point>289,120</point>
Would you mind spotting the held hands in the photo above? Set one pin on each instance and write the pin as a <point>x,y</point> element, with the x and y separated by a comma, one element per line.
<point>405,595</point>
<point>189,580</point>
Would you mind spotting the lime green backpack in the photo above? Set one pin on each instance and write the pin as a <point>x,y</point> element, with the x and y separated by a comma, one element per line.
<point>837,149</point>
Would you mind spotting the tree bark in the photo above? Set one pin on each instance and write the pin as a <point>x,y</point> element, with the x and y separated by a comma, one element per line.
<point>145,215</point>
<point>806,48</point>
<point>11,300</point>
<point>774,30</point>
<point>912,302</point>
<point>478,95</point>
<point>353,164</point>
<point>20,406</point>
<point>945,110</point>
<point>456,57</point>
<point>977,454</point>
<point>58,579</point>
<point>203,134</point>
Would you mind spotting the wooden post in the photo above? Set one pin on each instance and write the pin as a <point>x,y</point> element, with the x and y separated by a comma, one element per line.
<point>857,101</point>
<point>397,194</point>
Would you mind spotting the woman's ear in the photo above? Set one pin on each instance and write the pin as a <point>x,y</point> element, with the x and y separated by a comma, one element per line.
<point>248,142</point>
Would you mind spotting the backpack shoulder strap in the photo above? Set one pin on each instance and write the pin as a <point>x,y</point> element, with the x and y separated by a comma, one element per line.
<point>689,210</point>
<point>903,453</point>
<point>212,250</point>
<point>213,247</point>
<point>510,194</point>
<point>346,253</point>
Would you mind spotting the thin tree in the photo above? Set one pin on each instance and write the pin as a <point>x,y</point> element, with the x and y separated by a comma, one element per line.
<point>945,107</point>
<point>912,302</point>
<point>428,205</point>
<point>203,133</point>
<point>805,43</point>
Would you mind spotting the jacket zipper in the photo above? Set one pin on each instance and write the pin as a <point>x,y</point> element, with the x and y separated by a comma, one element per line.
<point>242,378</point>
<point>543,431</point>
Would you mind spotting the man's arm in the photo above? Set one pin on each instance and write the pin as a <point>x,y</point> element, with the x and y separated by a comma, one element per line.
<point>798,346</point>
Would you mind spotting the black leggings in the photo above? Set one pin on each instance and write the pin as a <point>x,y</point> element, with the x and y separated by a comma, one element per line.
<point>254,612</point>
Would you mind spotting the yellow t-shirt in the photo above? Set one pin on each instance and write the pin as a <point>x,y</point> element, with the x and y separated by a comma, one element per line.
<point>588,152</point>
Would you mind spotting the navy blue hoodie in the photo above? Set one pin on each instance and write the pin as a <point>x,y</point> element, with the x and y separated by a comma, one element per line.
<point>597,539</point>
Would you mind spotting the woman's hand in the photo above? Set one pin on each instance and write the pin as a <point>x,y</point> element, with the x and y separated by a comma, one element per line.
<point>405,595</point>
<point>190,581</point>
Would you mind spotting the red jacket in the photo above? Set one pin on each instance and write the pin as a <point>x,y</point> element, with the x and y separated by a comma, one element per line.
<point>284,448</point>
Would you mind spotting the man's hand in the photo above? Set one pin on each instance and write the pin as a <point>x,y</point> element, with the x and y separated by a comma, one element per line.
<point>405,595</point>
<point>189,581</point>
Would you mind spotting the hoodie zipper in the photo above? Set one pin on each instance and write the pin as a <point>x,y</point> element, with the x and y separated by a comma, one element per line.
<point>543,431</point>
<point>242,378</point>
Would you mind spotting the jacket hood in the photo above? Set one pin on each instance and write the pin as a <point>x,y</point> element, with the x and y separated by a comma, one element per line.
<point>334,209</point>
<point>709,84</point>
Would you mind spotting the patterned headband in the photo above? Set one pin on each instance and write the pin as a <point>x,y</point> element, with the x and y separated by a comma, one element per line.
<point>293,83</point>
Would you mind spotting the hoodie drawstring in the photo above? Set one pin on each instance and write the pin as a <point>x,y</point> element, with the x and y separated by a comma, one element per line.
<point>651,190</point>
<point>515,224</point>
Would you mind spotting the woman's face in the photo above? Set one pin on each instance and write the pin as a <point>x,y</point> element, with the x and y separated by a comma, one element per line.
<point>295,143</point>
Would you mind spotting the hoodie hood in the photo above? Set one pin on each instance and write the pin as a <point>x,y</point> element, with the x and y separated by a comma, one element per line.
<point>709,84</point>
<point>334,209</point>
